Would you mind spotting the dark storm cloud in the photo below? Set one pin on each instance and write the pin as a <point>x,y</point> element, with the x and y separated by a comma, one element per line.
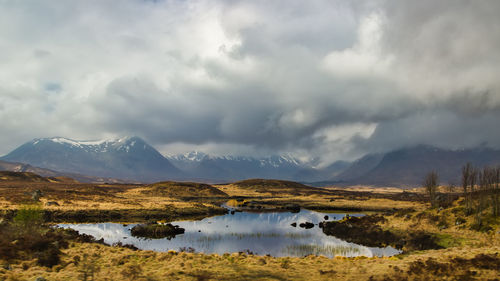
<point>335,79</point>
<point>445,54</point>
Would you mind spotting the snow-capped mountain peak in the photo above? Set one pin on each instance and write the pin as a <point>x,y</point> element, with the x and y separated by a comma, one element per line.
<point>128,158</point>
<point>59,140</point>
<point>237,167</point>
<point>192,156</point>
<point>195,156</point>
<point>121,144</point>
<point>71,142</point>
<point>275,160</point>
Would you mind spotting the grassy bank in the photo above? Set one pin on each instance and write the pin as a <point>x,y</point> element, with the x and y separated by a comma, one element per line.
<point>196,211</point>
<point>118,263</point>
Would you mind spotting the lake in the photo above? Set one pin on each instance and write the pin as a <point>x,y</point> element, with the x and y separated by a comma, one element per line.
<point>268,233</point>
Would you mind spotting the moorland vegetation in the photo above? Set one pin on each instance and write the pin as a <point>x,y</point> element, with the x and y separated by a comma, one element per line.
<point>451,233</point>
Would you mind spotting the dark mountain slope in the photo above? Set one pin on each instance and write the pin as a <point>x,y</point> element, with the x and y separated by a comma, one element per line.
<point>408,166</point>
<point>127,158</point>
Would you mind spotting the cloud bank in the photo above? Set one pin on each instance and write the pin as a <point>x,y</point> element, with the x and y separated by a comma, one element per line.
<point>320,79</point>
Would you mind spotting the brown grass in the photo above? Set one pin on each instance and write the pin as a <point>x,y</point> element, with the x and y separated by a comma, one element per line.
<point>80,202</point>
<point>331,199</point>
<point>81,196</point>
<point>182,190</point>
<point>115,263</point>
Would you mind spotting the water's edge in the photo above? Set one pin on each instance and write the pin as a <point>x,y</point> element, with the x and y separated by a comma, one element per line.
<point>269,233</point>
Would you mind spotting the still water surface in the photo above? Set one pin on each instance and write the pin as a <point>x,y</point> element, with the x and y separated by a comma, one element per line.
<point>259,233</point>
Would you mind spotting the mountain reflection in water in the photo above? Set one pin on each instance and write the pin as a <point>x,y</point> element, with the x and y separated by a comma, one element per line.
<point>259,233</point>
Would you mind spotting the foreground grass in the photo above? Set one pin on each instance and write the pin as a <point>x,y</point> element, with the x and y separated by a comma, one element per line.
<point>117,263</point>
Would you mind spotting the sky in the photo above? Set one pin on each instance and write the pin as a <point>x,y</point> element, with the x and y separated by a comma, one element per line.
<point>323,80</point>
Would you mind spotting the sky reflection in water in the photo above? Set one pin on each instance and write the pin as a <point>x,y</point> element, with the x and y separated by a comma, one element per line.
<point>260,233</point>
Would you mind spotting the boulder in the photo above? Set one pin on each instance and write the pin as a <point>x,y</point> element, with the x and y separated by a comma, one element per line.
<point>52,203</point>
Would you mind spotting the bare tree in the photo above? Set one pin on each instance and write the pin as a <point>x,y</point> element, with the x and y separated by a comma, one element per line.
<point>484,178</point>
<point>492,178</point>
<point>483,196</point>
<point>466,175</point>
<point>450,192</point>
<point>431,184</point>
<point>496,191</point>
<point>472,188</point>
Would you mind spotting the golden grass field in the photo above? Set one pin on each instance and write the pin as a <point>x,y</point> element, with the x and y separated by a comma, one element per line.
<point>468,254</point>
<point>113,263</point>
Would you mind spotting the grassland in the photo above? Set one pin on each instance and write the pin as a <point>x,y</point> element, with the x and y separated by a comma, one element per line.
<point>275,193</point>
<point>118,263</point>
<point>77,202</point>
<point>464,254</point>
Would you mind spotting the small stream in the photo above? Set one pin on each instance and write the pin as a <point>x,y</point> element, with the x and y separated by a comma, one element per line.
<point>268,233</point>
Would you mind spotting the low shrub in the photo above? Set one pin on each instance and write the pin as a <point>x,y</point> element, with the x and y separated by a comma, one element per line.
<point>18,244</point>
<point>29,216</point>
<point>26,238</point>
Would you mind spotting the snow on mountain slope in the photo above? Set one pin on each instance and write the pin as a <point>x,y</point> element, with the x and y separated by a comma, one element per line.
<point>131,158</point>
<point>205,166</point>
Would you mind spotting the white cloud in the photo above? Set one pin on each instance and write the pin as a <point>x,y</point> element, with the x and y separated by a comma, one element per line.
<point>365,58</point>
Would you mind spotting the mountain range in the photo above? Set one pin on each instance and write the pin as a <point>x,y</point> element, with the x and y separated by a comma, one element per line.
<point>225,168</point>
<point>408,166</point>
<point>132,159</point>
<point>127,158</point>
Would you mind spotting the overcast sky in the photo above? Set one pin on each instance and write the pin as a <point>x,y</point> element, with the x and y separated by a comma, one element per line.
<point>328,79</point>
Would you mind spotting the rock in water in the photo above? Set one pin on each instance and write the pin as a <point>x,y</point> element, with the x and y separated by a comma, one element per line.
<point>306,225</point>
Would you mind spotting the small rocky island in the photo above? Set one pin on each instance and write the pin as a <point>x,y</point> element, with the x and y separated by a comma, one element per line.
<point>155,230</point>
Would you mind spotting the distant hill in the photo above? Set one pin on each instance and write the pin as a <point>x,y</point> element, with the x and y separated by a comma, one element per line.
<point>408,166</point>
<point>276,186</point>
<point>127,158</point>
<point>359,167</point>
<point>21,176</point>
<point>183,189</point>
<point>320,174</point>
<point>20,167</point>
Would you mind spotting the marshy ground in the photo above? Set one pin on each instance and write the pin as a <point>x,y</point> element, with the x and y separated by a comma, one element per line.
<point>457,253</point>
